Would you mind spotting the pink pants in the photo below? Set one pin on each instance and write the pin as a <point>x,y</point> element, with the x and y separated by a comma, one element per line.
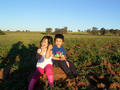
<point>48,71</point>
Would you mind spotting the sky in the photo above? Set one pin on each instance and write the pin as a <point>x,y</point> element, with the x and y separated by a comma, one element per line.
<point>37,15</point>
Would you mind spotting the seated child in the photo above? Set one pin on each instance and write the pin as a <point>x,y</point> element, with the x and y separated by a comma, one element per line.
<point>59,57</point>
<point>44,63</point>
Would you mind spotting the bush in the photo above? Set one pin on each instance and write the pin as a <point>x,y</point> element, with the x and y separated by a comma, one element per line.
<point>1,32</point>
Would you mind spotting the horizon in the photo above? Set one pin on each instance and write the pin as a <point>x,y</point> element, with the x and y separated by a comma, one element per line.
<point>75,14</point>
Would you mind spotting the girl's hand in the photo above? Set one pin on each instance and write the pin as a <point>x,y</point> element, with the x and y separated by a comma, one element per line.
<point>49,51</point>
<point>50,47</point>
<point>43,49</point>
<point>38,55</point>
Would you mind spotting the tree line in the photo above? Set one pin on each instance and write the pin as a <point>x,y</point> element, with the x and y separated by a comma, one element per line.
<point>57,30</point>
<point>64,30</point>
<point>2,33</point>
<point>103,31</point>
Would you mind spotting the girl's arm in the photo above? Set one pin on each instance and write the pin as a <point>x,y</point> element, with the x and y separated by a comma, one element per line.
<point>49,52</point>
<point>39,54</point>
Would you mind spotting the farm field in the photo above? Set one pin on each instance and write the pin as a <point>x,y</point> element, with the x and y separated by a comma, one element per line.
<point>97,59</point>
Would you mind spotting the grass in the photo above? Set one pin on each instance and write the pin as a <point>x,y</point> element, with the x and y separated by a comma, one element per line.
<point>78,33</point>
<point>92,55</point>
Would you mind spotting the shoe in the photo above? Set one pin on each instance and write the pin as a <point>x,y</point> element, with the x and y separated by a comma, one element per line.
<point>70,76</point>
<point>51,85</point>
<point>76,75</point>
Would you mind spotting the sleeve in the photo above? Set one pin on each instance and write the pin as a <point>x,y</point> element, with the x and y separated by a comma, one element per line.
<point>64,51</point>
<point>38,50</point>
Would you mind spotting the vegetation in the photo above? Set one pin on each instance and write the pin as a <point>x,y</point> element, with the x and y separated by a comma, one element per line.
<point>93,31</point>
<point>48,30</point>
<point>96,57</point>
<point>103,31</point>
<point>57,30</point>
<point>1,32</point>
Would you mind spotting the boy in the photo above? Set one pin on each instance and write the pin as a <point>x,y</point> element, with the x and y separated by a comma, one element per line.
<point>59,57</point>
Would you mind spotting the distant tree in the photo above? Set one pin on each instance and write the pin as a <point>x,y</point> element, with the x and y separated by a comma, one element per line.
<point>111,31</point>
<point>70,31</point>
<point>48,30</point>
<point>2,33</point>
<point>78,30</point>
<point>58,31</point>
<point>89,31</point>
<point>114,32</point>
<point>94,31</point>
<point>61,31</point>
<point>8,30</point>
<point>118,31</point>
<point>64,30</point>
<point>102,31</point>
<point>27,30</point>
<point>94,28</point>
<point>17,30</point>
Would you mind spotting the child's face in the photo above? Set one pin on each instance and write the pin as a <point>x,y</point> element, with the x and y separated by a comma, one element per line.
<point>58,42</point>
<point>44,43</point>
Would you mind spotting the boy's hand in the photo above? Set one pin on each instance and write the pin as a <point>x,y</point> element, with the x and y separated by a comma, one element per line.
<point>62,58</point>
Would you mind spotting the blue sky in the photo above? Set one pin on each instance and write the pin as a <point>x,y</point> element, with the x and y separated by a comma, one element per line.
<point>75,14</point>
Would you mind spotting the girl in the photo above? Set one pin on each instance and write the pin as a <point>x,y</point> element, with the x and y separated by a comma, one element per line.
<point>44,57</point>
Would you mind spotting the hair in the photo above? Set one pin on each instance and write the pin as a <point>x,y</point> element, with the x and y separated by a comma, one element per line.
<point>50,40</point>
<point>59,36</point>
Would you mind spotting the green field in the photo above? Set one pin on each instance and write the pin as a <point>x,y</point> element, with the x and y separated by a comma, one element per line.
<point>96,57</point>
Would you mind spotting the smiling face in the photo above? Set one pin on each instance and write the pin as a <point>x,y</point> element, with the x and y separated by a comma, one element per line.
<point>44,43</point>
<point>58,42</point>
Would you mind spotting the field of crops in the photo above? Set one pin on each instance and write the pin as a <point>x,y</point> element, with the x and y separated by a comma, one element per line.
<point>96,57</point>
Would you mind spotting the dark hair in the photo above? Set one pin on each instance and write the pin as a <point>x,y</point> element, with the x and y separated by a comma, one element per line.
<point>59,36</point>
<point>50,40</point>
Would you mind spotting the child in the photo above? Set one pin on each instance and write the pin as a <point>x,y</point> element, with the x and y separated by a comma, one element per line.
<point>59,58</point>
<point>44,63</point>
